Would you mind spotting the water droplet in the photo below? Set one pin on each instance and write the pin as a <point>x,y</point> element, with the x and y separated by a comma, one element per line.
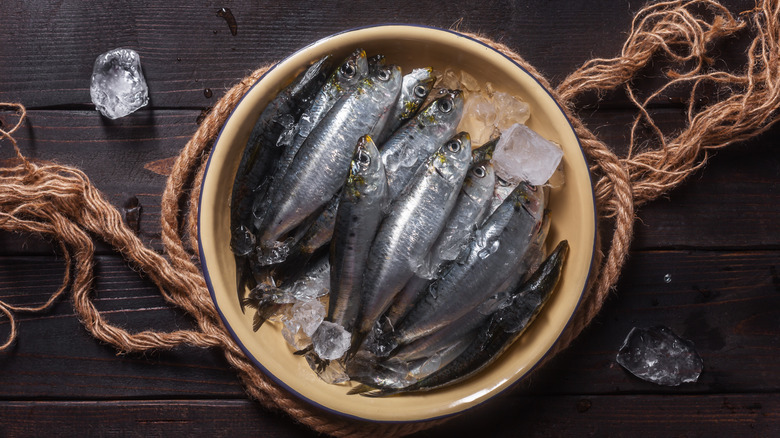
<point>132,213</point>
<point>668,278</point>
<point>207,92</point>
<point>178,59</point>
<point>229,18</point>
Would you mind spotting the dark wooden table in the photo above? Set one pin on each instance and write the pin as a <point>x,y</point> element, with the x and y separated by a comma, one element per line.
<point>705,260</point>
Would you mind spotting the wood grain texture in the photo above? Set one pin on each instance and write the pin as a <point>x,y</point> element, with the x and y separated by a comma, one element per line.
<point>729,415</point>
<point>727,303</point>
<point>734,202</point>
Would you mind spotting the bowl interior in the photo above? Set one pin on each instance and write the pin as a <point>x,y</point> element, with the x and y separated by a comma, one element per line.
<point>572,209</point>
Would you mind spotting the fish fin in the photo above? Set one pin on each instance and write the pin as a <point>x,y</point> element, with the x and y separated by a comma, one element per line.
<point>304,350</point>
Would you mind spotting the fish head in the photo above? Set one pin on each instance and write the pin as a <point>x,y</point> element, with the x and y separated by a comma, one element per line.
<point>485,152</point>
<point>375,62</point>
<point>452,159</point>
<point>351,71</point>
<point>366,172</point>
<point>529,198</point>
<point>445,111</point>
<point>415,89</point>
<point>480,181</point>
<point>384,84</point>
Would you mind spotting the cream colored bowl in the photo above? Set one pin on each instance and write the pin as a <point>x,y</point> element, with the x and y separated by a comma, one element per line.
<point>572,207</point>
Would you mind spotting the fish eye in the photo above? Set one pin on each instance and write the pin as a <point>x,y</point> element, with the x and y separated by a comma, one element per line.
<point>445,105</point>
<point>363,157</point>
<point>419,91</point>
<point>383,74</point>
<point>479,171</point>
<point>349,69</point>
<point>454,146</point>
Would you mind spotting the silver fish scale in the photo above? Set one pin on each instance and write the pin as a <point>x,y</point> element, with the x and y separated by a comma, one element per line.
<point>411,144</point>
<point>407,233</point>
<point>321,165</point>
<point>498,247</point>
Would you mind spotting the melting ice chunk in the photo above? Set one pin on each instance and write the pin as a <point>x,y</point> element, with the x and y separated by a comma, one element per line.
<point>118,86</point>
<point>522,154</point>
<point>332,371</point>
<point>304,318</point>
<point>659,356</point>
<point>330,341</point>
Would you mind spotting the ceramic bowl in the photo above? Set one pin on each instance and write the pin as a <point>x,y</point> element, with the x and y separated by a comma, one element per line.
<point>572,207</point>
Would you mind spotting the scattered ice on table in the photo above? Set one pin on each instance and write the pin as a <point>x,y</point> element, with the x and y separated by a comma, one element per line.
<point>304,318</point>
<point>659,356</point>
<point>330,341</point>
<point>330,371</point>
<point>522,154</point>
<point>118,86</point>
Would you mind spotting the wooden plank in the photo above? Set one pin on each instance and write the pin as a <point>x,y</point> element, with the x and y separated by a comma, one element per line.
<point>734,202</point>
<point>48,53</point>
<point>54,356</point>
<point>510,416</point>
<point>725,302</point>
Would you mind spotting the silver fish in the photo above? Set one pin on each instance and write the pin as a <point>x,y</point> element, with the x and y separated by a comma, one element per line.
<point>321,165</point>
<point>412,225</point>
<point>256,164</point>
<point>467,213</point>
<point>357,218</point>
<point>498,246</point>
<point>491,338</point>
<point>415,89</point>
<point>342,81</point>
<point>418,138</point>
<point>442,339</point>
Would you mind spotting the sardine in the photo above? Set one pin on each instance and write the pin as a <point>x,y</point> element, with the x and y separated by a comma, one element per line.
<point>357,218</point>
<point>418,138</point>
<point>503,328</point>
<point>498,246</point>
<point>407,233</point>
<point>485,152</point>
<point>415,89</point>
<point>257,161</point>
<point>321,165</point>
<point>342,81</point>
<point>466,215</point>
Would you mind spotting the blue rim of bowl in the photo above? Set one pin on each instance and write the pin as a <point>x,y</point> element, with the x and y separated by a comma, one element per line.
<point>273,377</point>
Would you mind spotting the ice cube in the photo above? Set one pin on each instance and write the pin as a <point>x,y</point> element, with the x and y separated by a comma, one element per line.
<point>449,80</point>
<point>659,356</point>
<point>479,118</point>
<point>510,110</point>
<point>469,82</point>
<point>522,154</point>
<point>292,333</point>
<point>309,315</point>
<point>332,371</point>
<point>118,86</point>
<point>330,341</point>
